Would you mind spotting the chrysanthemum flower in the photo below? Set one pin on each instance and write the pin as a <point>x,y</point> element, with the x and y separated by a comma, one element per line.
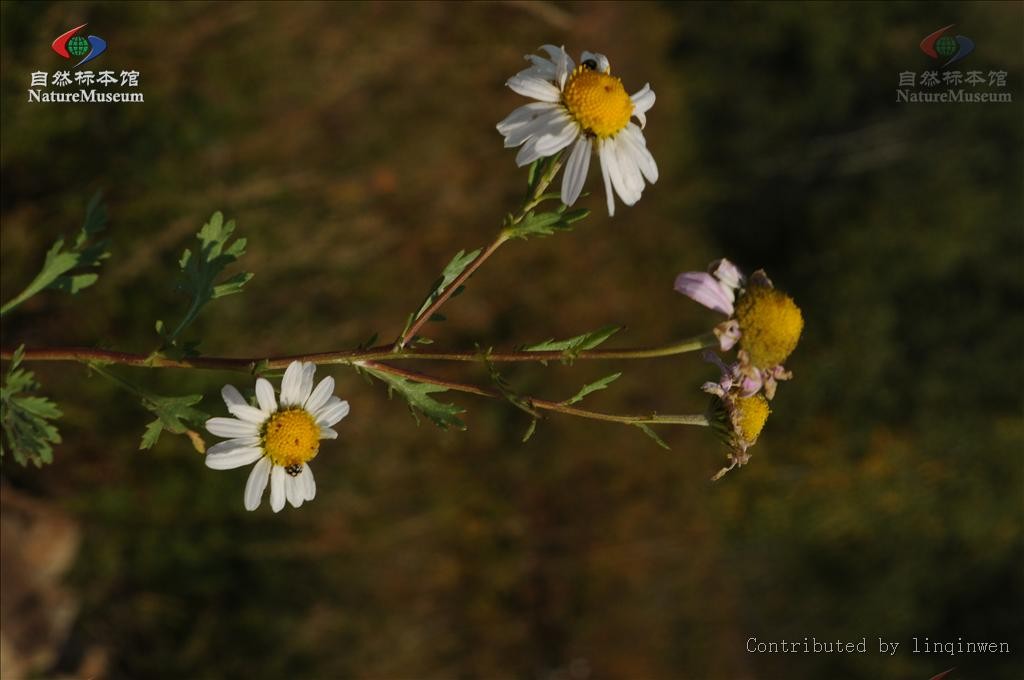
<point>735,417</point>
<point>281,436</point>
<point>587,107</point>
<point>739,421</point>
<point>763,320</point>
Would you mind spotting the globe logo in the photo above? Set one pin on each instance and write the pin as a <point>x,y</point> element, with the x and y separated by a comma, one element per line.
<point>946,46</point>
<point>78,46</point>
<point>71,44</point>
<point>940,46</point>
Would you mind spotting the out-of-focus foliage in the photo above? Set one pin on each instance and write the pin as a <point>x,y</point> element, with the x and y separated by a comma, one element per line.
<point>27,431</point>
<point>200,273</point>
<point>356,144</point>
<point>59,264</point>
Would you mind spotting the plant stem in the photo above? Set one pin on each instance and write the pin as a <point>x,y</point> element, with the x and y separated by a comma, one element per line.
<point>459,280</point>
<point>540,404</point>
<point>381,353</point>
<point>529,203</point>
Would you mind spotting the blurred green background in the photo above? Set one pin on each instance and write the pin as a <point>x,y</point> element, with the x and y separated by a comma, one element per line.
<point>355,145</point>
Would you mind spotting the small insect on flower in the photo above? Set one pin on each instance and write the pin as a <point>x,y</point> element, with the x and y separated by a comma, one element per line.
<point>587,107</point>
<point>281,436</point>
<point>763,320</point>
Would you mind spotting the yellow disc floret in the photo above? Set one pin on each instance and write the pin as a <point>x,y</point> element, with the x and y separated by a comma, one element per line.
<point>770,325</point>
<point>597,101</point>
<point>291,438</point>
<point>749,416</point>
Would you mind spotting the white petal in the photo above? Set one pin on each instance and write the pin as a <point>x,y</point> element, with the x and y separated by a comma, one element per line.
<point>605,174</point>
<point>528,153</point>
<point>576,170</point>
<point>331,413</point>
<point>610,159</point>
<point>306,388</point>
<point>328,433</point>
<point>248,413</point>
<point>643,99</point>
<point>291,384</point>
<point>540,67</point>
<point>535,127</point>
<point>554,141</point>
<point>257,483</point>
<point>231,396</point>
<point>523,115</point>
<point>535,88</point>
<point>230,427</point>
<point>556,135</point>
<point>233,458</point>
<point>320,395</point>
<point>277,477</point>
<point>562,67</point>
<point>308,483</point>
<point>265,395</point>
<point>231,444</point>
<point>554,52</point>
<point>293,490</point>
<point>631,175</point>
<point>643,157</point>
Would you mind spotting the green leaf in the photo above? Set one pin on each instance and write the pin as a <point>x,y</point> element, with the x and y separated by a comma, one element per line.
<point>653,435</point>
<point>27,431</point>
<point>601,384</point>
<point>417,394</point>
<point>201,269</point>
<point>61,269</point>
<point>576,344</point>
<point>530,430</point>
<point>545,223</point>
<point>173,414</point>
<point>457,265</point>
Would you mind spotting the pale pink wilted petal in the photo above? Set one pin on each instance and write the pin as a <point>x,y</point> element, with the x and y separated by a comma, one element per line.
<point>706,290</point>
<point>726,272</point>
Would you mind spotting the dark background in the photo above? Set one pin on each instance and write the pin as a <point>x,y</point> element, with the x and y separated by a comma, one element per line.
<point>355,145</point>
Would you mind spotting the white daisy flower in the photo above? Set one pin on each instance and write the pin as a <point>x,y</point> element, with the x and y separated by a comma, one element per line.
<point>587,107</point>
<point>281,437</point>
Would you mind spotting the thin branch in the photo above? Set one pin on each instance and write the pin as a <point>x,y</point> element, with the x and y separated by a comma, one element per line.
<point>540,404</point>
<point>449,291</point>
<point>380,353</point>
<point>532,200</point>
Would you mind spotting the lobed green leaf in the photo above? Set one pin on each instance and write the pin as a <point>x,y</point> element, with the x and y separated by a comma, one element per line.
<point>27,431</point>
<point>417,395</point>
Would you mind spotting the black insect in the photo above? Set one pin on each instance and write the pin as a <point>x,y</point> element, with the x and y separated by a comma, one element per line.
<point>591,64</point>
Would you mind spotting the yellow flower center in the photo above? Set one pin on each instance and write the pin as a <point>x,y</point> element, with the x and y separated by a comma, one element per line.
<point>770,325</point>
<point>750,416</point>
<point>291,438</point>
<point>597,101</point>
